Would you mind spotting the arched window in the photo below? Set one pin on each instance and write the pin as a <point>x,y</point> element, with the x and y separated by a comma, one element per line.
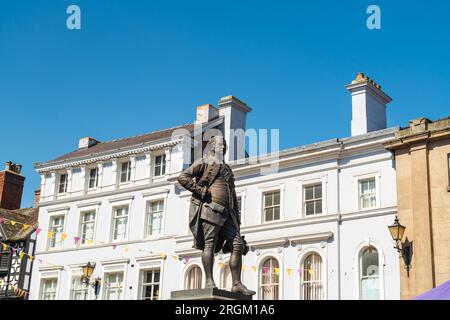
<point>269,275</point>
<point>225,279</point>
<point>312,282</point>
<point>369,274</point>
<point>194,278</point>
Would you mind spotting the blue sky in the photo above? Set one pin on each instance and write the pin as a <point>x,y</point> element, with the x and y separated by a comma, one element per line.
<point>138,66</point>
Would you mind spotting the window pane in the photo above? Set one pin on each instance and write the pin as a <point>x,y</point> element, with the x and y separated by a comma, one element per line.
<point>312,284</point>
<point>309,207</point>
<point>318,204</point>
<point>269,214</point>
<point>276,214</point>
<point>269,280</point>
<point>268,200</point>
<point>369,264</point>
<point>276,200</point>
<point>309,193</point>
<point>318,191</point>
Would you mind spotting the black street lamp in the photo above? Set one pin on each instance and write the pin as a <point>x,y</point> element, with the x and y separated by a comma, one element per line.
<point>404,248</point>
<point>87,273</point>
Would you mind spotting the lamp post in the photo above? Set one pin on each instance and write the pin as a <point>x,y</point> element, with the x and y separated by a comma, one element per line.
<point>87,273</point>
<point>404,248</point>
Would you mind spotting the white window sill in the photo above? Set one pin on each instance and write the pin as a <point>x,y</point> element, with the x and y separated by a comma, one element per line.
<point>368,208</point>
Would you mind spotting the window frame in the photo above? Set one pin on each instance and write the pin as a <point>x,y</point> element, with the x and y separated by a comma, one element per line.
<point>147,215</point>
<point>128,172</point>
<point>304,200</point>
<point>7,254</point>
<point>50,228</point>
<point>260,276</point>
<point>263,211</point>
<point>95,178</point>
<point>162,166</point>
<point>141,283</point>
<point>321,281</point>
<point>78,273</point>
<point>187,273</point>
<point>360,271</point>
<point>81,223</point>
<point>113,218</point>
<point>41,287</point>
<point>356,182</point>
<point>65,184</point>
<point>105,288</point>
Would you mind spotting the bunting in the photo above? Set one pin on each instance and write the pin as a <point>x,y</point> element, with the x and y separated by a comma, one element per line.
<point>164,256</point>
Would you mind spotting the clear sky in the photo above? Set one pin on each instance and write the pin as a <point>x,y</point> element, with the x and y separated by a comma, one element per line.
<point>138,66</point>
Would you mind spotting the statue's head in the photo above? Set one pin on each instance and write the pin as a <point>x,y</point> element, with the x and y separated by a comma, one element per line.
<point>216,147</point>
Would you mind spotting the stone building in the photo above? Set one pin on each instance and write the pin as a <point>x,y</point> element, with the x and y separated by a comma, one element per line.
<point>422,157</point>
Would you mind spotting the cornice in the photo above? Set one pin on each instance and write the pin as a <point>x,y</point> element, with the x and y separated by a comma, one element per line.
<point>57,165</point>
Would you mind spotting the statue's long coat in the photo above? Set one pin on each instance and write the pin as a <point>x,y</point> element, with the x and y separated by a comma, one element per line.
<point>200,174</point>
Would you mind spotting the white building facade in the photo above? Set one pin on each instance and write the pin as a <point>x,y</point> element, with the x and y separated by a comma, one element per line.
<point>317,227</point>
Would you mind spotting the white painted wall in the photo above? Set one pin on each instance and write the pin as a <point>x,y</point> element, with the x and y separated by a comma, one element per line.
<point>349,226</point>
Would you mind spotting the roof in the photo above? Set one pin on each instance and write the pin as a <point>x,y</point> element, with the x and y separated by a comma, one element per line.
<point>117,144</point>
<point>16,232</point>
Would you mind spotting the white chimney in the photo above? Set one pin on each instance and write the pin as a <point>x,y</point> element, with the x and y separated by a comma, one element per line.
<point>368,105</point>
<point>206,113</point>
<point>234,112</point>
<point>87,142</point>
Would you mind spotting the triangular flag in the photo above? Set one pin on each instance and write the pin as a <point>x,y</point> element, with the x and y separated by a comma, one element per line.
<point>25,226</point>
<point>4,246</point>
<point>163,256</point>
<point>50,234</point>
<point>289,271</point>
<point>12,222</point>
<point>186,259</point>
<point>126,248</point>
<point>2,219</point>
<point>38,230</point>
<point>221,265</point>
<point>76,240</point>
<point>175,258</point>
<point>89,242</point>
<point>311,271</point>
<point>254,268</point>
<point>13,250</point>
<point>277,271</point>
<point>114,246</point>
<point>30,257</point>
<point>243,268</point>
<point>64,236</point>
<point>21,254</point>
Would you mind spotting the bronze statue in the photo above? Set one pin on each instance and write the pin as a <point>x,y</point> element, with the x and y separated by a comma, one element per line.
<point>214,216</point>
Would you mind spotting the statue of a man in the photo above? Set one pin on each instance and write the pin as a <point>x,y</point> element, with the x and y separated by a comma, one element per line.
<point>214,216</point>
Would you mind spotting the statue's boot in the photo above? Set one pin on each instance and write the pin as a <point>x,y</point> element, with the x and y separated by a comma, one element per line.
<point>208,263</point>
<point>240,288</point>
<point>236,270</point>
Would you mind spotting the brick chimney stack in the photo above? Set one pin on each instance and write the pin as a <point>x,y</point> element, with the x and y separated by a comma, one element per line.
<point>11,186</point>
